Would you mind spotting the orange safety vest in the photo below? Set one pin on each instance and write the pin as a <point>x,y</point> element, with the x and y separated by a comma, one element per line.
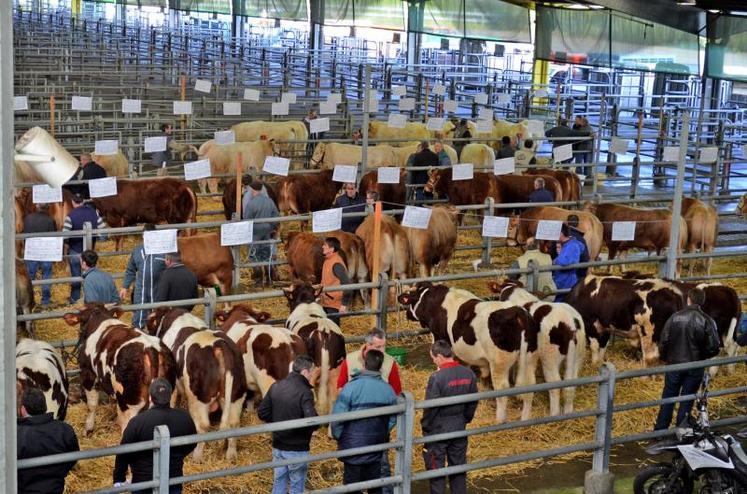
<point>331,299</point>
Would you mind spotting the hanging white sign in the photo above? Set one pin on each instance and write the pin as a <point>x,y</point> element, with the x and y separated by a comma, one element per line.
<point>406,104</point>
<point>623,231</point>
<point>619,145</point>
<point>388,175</point>
<point>671,153</point>
<point>197,170</point>
<point>155,144</point>
<point>236,233</point>
<point>562,153</point>
<point>417,217</point>
<point>327,108</point>
<point>484,125</point>
<point>132,106</point>
<point>231,108</point>
<point>182,107</point>
<point>224,137</point>
<point>159,242</point>
<point>44,194</point>
<point>335,98</point>
<point>276,165</point>
<point>397,120</point>
<point>106,147</point>
<point>504,166</point>
<point>495,226</point>
<point>439,89</point>
<point>319,125</point>
<point>47,249</point>
<point>709,154</point>
<point>20,103</point>
<point>251,94</point>
<point>435,124</point>
<point>82,103</point>
<point>485,114</point>
<point>481,99</point>
<point>464,171</point>
<point>102,187</point>
<point>399,90</point>
<point>345,174</point>
<point>289,98</point>
<point>450,106</point>
<point>548,230</point>
<point>504,98</point>
<point>203,86</point>
<point>536,127</point>
<point>326,220</point>
<point>279,109</point>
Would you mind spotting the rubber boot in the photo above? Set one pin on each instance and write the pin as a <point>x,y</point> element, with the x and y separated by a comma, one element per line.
<point>257,277</point>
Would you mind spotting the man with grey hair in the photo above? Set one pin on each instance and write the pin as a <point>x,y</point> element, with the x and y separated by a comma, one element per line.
<point>443,156</point>
<point>540,193</point>
<point>177,282</point>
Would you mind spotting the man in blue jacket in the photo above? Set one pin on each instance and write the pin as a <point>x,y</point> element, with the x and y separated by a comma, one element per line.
<point>569,252</point>
<point>540,193</point>
<point>351,202</point>
<point>98,286</point>
<point>144,270</point>
<point>366,390</point>
<point>260,206</point>
<point>82,213</point>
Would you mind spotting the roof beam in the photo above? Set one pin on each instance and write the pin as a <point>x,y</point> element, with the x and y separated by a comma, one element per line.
<point>665,12</point>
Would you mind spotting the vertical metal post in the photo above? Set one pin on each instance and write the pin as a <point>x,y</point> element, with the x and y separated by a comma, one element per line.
<point>161,457</point>
<point>674,232</point>
<point>210,306</point>
<point>364,124</point>
<point>403,462</point>
<point>87,236</point>
<point>487,242</point>
<point>533,276</point>
<point>236,253</point>
<point>603,428</point>
<point>8,289</point>
<point>383,308</point>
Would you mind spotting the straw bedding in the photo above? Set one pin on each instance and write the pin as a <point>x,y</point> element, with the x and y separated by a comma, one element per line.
<point>92,474</point>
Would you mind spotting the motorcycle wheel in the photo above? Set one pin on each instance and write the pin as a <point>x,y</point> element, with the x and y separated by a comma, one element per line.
<point>661,479</point>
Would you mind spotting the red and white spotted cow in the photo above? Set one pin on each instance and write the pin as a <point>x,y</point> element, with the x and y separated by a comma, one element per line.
<point>268,351</point>
<point>494,336</point>
<point>561,338</point>
<point>38,365</point>
<point>323,339</point>
<point>120,359</point>
<point>210,370</point>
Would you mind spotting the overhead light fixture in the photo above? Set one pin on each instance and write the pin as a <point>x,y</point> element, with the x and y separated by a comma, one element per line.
<point>686,2</point>
<point>577,6</point>
<point>595,7</point>
<point>714,11</point>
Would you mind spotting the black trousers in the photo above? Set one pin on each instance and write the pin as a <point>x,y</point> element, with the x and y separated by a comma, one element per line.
<point>436,455</point>
<point>360,473</point>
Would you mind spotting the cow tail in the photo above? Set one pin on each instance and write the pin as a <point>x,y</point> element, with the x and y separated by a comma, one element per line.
<point>323,393</point>
<point>226,384</point>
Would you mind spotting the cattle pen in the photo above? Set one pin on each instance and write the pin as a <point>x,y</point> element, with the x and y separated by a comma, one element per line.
<point>667,123</point>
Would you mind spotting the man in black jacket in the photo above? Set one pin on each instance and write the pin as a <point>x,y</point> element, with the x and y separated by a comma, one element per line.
<point>451,379</point>
<point>177,282</point>
<point>419,178</point>
<point>141,428</point>
<point>289,399</point>
<point>688,335</point>
<point>39,434</point>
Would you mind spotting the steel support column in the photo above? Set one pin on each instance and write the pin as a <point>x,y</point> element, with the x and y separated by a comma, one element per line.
<point>674,232</point>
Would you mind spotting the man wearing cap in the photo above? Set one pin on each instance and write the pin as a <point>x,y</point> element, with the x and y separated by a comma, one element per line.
<point>260,206</point>
<point>83,213</point>
<point>141,428</point>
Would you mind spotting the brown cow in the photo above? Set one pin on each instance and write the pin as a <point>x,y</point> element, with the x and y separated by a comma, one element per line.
<point>433,247</point>
<point>210,371</point>
<point>229,195</point>
<point>651,229</point>
<point>211,262</point>
<point>518,188</point>
<point>521,227</point>
<point>461,192</point>
<point>702,229</point>
<point>391,195</point>
<point>24,295</point>
<point>394,250</point>
<point>268,350</point>
<point>299,194</point>
<point>323,339</point>
<point>57,210</point>
<point>568,180</point>
<point>157,200</point>
<point>118,358</point>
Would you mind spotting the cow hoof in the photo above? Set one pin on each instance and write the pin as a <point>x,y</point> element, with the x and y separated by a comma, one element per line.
<point>231,454</point>
<point>197,457</point>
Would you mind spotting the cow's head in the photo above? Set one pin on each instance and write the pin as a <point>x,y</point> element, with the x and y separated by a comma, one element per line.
<point>90,316</point>
<point>302,293</point>
<point>241,312</point>
<point>412,298</point>
<point>155,319</point>
<point>318,156</point>
<point>434,177</point>
<point>513,230</point>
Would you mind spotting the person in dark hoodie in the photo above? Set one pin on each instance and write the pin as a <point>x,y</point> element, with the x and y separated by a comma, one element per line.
<point>177,282</point>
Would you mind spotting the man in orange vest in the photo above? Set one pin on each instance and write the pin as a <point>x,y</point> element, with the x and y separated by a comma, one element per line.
<point>334,273</point>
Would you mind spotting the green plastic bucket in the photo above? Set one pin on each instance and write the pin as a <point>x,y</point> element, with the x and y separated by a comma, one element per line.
<point>398,353</point>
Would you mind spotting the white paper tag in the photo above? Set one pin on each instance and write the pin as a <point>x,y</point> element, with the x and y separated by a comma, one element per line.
<point>319,125</point>
<point>155,144</point>
<point>335,98</point>
<point>744,150</point>
<point>82,103</point>
<point>399,91</point>
<point>236,233</point>
<point>251,94</point>
<point>536,127</point>
<point>406,104</point>
<point>540,93</point>
<point>224,137</point>
<point>619,145</point>
<point>102,187</point>
<point>481,99</point>
<point>182,107</point>
<point>495,226</point>
<point>232,108</point>
<point>345,174</point>
<point>397,120</point>
<point>20,103</point>
<point>417,217</point>
<point>435,124</point>
<point>197,170</point>
<point>464,171</point>
<point>439,89</point>
<point>276,165</point>
<point>44,194</point>
<point>327,108</point>
<point>504,98</point>
<point>159,242</point>
<point>289,98</point>
<point>132,106</point>
<point>562,153</point>
<point>548,230</point>
<point>326,220</point>
<point>623,231</point>
<point>106,147</point>
<point>485,114</point>
<point>484,125</point>
<point>203,86</point>
<point>279,109</point>
<point>388,175</point>
<point>450,106</point>
<point>671,153</point>
<point>709,154</point>
<point>504,166</point>
<point>43,249</point>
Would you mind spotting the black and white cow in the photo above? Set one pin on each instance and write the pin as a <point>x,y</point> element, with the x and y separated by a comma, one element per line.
<point>562,338</point>
<point>38,365</point>
<point>493,336</point>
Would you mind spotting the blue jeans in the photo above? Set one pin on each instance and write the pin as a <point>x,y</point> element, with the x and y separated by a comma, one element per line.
<point>46,268</point>
<point>75,270</point>
<point>296,474</point>
<point>678,384</point>
<point>422,195</point>
<point>583,157</point>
